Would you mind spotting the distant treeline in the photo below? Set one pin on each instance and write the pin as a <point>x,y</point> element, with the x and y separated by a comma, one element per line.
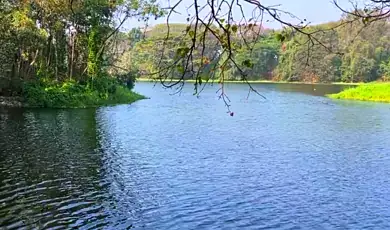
<point>342,51</point>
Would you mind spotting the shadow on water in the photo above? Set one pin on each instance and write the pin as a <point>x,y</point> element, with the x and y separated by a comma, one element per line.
<point>65,169</point>
<point>48,168</point>
<point>311,89</point>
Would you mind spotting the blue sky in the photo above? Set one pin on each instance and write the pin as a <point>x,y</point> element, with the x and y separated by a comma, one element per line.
<point>315,11</point>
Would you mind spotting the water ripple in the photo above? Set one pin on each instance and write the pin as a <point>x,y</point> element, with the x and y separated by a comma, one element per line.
<point>295,161</point>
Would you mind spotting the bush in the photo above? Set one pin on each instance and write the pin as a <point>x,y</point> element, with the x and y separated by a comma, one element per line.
<point>104,84</point>
<point>102,90</point>
<point>127,79</point>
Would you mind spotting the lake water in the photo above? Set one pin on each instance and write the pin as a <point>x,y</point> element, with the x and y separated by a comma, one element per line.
<point>296,160</point>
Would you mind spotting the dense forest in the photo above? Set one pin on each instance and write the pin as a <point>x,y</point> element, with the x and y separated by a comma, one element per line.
<point>342,52</point>
<point>59,53</point>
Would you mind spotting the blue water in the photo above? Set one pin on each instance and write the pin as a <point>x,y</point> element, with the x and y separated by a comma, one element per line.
<point>295,160</point>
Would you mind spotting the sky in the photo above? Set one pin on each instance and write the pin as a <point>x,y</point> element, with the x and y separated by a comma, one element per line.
<point>314,11</point>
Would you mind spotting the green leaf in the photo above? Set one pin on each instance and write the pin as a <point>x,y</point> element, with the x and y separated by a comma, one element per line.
<point>179,51</point>
<point>186,50</point>
<point>283,38</point>
<point>365,20</point>
<point>247,63</point>
<point>280,37</point>
<point>222,20</point>
<point>180,69</point>
<point>234,28</point>
<point>191,33</point>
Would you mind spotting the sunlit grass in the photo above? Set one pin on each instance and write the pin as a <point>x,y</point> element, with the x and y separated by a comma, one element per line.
<point>379,92</point>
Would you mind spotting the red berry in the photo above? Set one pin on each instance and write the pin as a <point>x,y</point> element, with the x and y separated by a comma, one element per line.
<point>284,47</point>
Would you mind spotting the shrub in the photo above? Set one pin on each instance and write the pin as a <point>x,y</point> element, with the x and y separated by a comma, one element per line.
<point>102,90</point>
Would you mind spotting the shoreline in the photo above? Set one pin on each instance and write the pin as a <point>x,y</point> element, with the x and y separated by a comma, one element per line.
<point>257,82</point>
<point>19,102</point>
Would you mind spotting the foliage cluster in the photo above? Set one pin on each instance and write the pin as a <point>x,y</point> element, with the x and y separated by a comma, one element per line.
<point>71,94</point>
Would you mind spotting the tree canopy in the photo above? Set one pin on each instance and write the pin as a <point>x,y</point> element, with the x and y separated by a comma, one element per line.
<point>59,40</point>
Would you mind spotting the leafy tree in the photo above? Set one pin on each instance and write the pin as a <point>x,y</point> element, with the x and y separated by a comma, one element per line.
<point>260,61</point>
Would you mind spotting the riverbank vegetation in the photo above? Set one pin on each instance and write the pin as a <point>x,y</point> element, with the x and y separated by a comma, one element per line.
<point>61,53</point>
<point>73,94</point>
<point>379,92</point>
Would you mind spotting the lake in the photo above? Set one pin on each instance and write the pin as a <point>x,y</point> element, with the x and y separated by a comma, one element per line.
<point>295,160</point>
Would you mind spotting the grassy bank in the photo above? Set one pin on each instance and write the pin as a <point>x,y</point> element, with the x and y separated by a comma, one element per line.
<point>257,82</point>
<point>379,92</point>
<point>71,94</point>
